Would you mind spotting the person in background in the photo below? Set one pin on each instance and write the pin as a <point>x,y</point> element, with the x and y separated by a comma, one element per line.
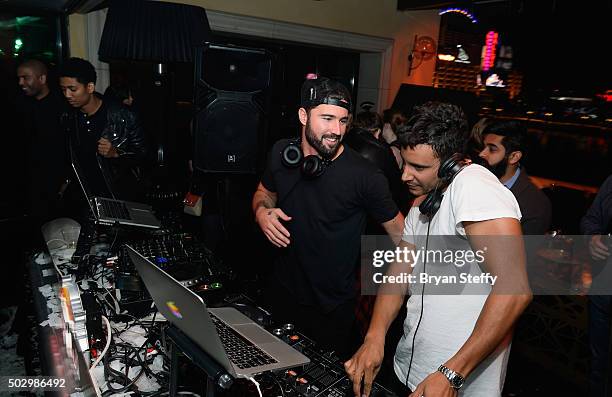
<point>597,226</point>
<point>504,148</point>
<point>364,138</point>
<point>474,144</point>
<point>120,93</point>
<point>40,109</point>
<point>105,138</point>
<point>392,120</point>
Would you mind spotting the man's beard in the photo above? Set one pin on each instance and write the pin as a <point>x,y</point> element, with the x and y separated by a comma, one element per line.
<point>322,150</point>
<point>499,169</point>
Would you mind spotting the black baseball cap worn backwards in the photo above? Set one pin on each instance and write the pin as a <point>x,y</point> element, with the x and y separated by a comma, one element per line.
<point>322,90</point>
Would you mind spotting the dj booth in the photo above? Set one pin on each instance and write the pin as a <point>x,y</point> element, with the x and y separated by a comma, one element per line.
<point>100,330</point>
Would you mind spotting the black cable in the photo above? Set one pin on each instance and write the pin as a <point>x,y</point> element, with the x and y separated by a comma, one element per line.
<point>130,358</point>
<point>129,355</point>
<point>110,250</point>
<point>117,374</point>
<point>422,303</point>
<point>277,383</point>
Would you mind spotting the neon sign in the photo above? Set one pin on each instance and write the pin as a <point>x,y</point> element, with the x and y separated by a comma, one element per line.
<point>490,49</point>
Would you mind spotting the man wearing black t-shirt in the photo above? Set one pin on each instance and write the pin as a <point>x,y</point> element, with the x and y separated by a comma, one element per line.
<point>312,203</point>
<point>40,109</point>
<point>105,139</point>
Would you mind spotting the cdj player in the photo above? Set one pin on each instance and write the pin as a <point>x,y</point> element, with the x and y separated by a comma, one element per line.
<point>180,255</point>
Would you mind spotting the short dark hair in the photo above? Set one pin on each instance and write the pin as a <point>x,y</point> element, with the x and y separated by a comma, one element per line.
<point>442,126</point>
<point>512,131</point>
<point>119,92</point>
<point>37,66</point>
<point>368,121</point>
<point>80,69</point>
<point>389,113</point>
<point>323,90</point>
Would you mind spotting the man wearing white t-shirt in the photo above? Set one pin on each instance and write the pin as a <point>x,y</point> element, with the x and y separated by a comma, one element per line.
<point>454,343</point>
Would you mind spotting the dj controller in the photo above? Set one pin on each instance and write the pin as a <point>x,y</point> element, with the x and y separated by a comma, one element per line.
<point>180,255</point>
<point>324,376</point>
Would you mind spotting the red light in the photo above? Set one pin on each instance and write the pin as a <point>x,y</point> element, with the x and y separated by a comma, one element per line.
<point>490,50</point>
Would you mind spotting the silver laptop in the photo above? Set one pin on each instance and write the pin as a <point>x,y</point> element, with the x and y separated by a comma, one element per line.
<point>235,341</point>
<point>110,211</point>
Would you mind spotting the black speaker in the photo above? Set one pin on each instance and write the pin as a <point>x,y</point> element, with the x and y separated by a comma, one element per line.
<point>231,103</point>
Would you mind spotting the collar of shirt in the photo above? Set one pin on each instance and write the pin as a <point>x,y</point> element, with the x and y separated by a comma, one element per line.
<point>95,123</point>
<point>510,182</point>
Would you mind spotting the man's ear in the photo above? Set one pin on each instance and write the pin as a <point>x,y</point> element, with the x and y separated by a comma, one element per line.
<point>91,87</point>
<point>303,116</point>
<point>43,79</point>
<point>515,157</point>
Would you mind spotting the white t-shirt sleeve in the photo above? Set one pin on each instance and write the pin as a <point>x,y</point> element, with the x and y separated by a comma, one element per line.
<point>409,227</point>
<point>477,195</point>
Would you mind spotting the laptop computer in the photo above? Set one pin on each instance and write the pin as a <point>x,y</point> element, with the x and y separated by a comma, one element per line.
<point>236,342</point>
<point>110,211</point>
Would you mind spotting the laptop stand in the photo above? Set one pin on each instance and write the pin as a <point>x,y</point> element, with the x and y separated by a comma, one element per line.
<point>215,374</point>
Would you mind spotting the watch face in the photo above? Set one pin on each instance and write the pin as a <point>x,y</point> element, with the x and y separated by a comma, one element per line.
<point>457,382</point>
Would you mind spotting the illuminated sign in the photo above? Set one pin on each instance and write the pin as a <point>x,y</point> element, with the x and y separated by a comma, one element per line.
<point>460,11</point>
<point>490,48</point>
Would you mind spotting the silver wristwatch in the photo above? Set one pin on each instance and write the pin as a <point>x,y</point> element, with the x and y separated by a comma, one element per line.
<point>455,379</point>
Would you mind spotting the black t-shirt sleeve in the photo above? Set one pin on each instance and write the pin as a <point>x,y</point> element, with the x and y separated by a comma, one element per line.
<point>272,164</point>
<point>377,197</point>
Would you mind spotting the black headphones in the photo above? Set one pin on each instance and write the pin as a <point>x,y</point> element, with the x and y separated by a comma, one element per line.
<point>311,166</point>
<point>447,171</point>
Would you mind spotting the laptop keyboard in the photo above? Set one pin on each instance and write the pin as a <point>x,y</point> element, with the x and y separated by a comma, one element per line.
<point>115,209</point>
<point>242,352</point>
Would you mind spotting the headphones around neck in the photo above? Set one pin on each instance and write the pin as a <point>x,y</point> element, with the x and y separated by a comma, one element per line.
<point>447,171</point>
<point>311,166</point>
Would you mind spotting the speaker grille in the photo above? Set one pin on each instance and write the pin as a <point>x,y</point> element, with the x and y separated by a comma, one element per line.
<point>227,138</point>
<point>231,103</point>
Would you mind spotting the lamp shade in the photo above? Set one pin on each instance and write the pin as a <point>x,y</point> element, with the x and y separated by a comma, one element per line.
<point>152,31</point>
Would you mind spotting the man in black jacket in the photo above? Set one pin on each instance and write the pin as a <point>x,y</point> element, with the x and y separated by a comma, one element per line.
<point>504,142</point>
<point>105,138</point>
